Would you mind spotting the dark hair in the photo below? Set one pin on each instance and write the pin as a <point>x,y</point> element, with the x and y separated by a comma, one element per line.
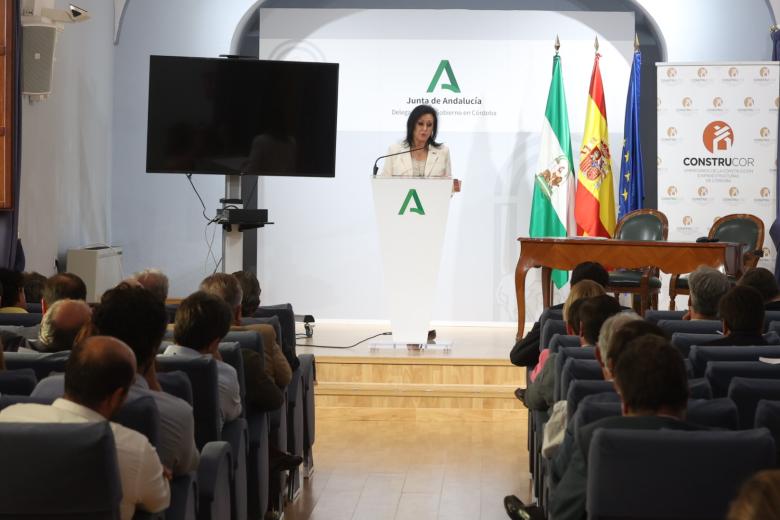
<point>92,377</point>
<point>630,331</point>
<point>650,375</point>
<point>64,285</point>
<point>742,310</point>
<point>593,313</point>
<point>200,319</point>
<point>762,280</point>
<point>590,271</point>
<point>411,122</point>
<point>250,292</point>
<point>572,317</point>
<point>33,286</point>
<point>13,283</point>
<point>135,316</point>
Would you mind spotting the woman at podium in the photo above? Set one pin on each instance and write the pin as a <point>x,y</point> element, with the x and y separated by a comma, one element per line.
<point>426,157</point>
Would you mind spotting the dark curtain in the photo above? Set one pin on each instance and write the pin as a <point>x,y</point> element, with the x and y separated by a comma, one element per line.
<point>774,231</point>
<point>9,219</point>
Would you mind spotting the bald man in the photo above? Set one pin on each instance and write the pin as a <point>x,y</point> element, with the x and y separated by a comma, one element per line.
<point>97,378</point>
<point>61,325</point>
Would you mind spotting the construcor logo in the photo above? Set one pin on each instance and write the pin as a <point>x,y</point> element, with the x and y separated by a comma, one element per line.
<point>718,135</point>
<point>671,73</point>
<point>687,220</point>
<point>765,192</point>
<point>733,192</point>
<point>702,191</point>
<point>702,72</point>
<point>764,132</point>
<point>671,191</point>
<point>763,72</point>
<point>733,72</point>
<point>671,132</point>
<point>444,68</point>
<point>413,199</point>
<point>687,102</point>
<point>749,102</point>
<point>717,102</point>
<point>777,102</point>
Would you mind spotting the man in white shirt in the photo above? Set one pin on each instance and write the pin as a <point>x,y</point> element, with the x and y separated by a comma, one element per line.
<point>97,378</point>
<point>202,320</point>
<point>137,317</point>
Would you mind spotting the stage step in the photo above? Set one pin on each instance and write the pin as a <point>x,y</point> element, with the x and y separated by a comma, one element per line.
<point>417,388</point>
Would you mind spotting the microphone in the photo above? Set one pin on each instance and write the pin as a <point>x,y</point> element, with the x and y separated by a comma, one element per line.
<point>376,168</point>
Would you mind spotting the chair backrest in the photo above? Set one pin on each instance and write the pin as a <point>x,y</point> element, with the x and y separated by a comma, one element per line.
<point>575,369</point>
<point>699,388</point>
<point>713,413</point>
<point>551,327</point>
<point>691,326</point>
<point>177,384</point>
<point>708,468</point>
<point>741,228</point>
<point>9,400</point>
<point>747,392</point>
<point>34,307</point>
<point>170,310</point>
<point>246,338</point>
<point>559,341</point>
<point>654,316</point>
<point>231,354</point>
<point>550,313</point>
<point>768,416</point>
<point>18,382</point>
<point>202,373</point>
<point>643,224</point>
<point>286,315</point>
<point>685,340</point>
<point>141,414</point>
<point>701,355</point>
<point>579,390</point>
<point>24,319</point>
<point>74,468</point>
<point>772,326</point>
<point>42,364</point>
<point>720,373</point>
<point>563,355</point>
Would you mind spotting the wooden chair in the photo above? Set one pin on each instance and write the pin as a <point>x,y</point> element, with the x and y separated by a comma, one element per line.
<point>645,225</point>
<point>741,228</point>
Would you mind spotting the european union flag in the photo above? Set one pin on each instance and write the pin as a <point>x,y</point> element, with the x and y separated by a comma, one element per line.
<point>631,194</point>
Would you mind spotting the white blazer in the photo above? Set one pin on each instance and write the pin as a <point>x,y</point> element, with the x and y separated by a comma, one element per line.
<point>437,164</point>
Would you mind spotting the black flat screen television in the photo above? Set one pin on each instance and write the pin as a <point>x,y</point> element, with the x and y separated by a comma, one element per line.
<point>241,116</point>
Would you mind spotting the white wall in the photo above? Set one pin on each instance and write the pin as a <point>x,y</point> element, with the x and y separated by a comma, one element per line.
<point>66,145</point>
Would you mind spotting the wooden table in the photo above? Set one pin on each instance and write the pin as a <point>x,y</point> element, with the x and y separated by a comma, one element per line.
<point>566,253</point>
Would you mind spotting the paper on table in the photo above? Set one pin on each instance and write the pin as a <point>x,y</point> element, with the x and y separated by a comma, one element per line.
<point>770,360</point>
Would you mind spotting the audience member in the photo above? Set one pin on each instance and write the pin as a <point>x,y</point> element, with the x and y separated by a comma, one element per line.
<point>759,498</point>
<point>227,288</point>
<point>61,325</point>
<point>593,312</point>
<point>525,352</point>
<point>33,286</point>
<point>97,378</point>
<point>12,299</point>
<point>62,286</point>
<point>202,320</point>
<point>763,280</point>
<point>154,281</point>
<point>250,292</point>
<point>609,338</point>
<point>707,286</point>
<point>136,317</point>
<point>742,313</point>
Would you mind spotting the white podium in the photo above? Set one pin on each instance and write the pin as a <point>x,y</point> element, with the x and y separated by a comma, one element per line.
<point>411,216</point>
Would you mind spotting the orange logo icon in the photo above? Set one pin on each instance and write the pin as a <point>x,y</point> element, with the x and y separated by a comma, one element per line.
<point>718,135</point>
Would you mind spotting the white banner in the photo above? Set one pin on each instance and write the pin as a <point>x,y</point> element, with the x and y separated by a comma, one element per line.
<point>717,145</point>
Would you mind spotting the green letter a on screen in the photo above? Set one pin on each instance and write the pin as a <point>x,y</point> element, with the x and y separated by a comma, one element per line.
<point>412,197</point>
<point>444,66</point>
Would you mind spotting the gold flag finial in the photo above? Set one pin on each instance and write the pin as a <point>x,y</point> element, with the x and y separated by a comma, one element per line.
<point>636,42</point>
<point>596,44</point>
<point>557,44</point>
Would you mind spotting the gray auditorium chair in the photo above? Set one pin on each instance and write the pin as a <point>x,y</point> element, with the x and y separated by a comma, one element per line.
<point>559,341</point>
<point>691,326</point>
<point>768,416</point>
<point>564,354</point>
<point>720,373</point>
<point>21,319</point>
<point>550,328</point>
<point>747,392</point>
<point>683,341</point>
<point>701,355</point>
<point>42,364</point>
<point>708,468</point>
<point>21,381</point>
<point>654,316</point>
<point>577,369</point>
<point>74,468</point>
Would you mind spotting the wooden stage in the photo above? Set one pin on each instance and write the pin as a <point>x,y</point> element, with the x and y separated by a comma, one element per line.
<point>473,380</point>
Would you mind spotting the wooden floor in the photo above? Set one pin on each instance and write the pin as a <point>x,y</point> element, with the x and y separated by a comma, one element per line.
<point>414,470</point>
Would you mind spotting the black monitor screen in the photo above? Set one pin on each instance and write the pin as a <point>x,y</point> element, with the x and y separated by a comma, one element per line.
<point>236,116</point>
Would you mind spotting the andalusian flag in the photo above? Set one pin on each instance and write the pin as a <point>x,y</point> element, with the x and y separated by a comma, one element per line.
<point>552,208</point>
<point>594,207</point>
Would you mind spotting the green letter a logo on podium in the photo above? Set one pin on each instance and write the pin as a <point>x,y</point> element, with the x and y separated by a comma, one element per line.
<point>417,208</point>
<point>444,66</point>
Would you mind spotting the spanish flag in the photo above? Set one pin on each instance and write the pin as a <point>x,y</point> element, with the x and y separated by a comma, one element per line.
<point>594,205</point>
